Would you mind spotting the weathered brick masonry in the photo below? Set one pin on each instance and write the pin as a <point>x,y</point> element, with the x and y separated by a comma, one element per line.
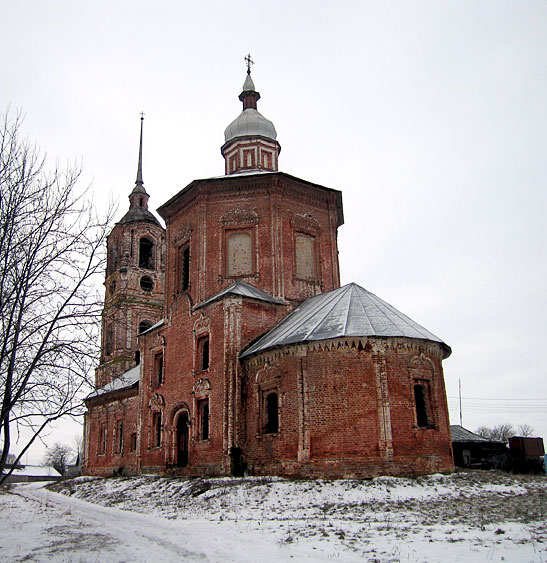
<point>229,346</point>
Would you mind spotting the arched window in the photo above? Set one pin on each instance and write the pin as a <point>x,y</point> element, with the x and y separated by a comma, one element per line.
<point>144,325</point>
<point>146,254</point>
<point>239,260</point>
<point>272,414</point>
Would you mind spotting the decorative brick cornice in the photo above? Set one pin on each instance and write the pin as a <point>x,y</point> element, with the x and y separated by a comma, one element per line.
<point>305,223</point>
<point>239,217</point>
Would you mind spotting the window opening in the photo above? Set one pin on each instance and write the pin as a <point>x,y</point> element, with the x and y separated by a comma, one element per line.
<point>158,368</point>
<point>421,405</point>
<point>203,353</point>
<point>156,429</point>
<point>102,439</point>
<point>137,357</point>
<point>133,442</point>
<point>203,415</point>
<point>119,441</point>
<point>147,283</point>
<point>144,325</point>
<point>109,340</point>
<point>146,257</point>
<point>272,414</point>
<point>185,268</point>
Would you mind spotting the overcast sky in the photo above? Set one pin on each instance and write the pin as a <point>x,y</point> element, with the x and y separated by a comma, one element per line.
<point>430,117</point>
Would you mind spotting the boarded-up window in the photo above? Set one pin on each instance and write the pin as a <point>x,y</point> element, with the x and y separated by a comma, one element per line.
<point>305,260</point>
<point>239,255</point>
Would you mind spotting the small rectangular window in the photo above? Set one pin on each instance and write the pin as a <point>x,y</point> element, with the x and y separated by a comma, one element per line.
<point>184,267</point>
<point>109,344</point>
<point>271,412</point>
<point>158,369</point>
<point>420,398</point>
<point>156,430</point>
<point>203,419</point>
<point>119,437</point>
<point>133,442</point>
<point>102,439</point>
<point>203,353</point>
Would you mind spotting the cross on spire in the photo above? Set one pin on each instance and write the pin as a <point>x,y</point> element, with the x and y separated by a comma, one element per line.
<point>142,115</point>
<point>249,62</point>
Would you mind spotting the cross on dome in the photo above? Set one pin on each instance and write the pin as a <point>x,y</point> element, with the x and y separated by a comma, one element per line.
<point>249,62</point>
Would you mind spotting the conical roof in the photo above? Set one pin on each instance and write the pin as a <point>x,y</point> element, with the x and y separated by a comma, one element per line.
<point>347,311</point>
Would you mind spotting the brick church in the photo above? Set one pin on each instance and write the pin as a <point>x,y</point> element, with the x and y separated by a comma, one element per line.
<point>229,347</point>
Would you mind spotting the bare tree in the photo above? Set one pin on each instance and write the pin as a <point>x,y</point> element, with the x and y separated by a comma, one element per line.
<point>58,456</point>
<point>525,430</point>
<point>501,432</point>
<point>51,252</point>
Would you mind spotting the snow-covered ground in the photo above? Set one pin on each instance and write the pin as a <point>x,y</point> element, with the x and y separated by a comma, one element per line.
<point>471,517</point>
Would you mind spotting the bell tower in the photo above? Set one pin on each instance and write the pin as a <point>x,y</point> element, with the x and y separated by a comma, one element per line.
<point>134,282</point>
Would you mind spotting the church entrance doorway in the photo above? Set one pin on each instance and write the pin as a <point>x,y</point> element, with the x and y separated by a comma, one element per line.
<point>182,439</point>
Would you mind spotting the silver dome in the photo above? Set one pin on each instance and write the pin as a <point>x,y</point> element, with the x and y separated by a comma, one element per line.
<point>250,123</point>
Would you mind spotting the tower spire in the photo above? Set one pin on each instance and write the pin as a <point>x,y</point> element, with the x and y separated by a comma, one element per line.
<point>139,181</point>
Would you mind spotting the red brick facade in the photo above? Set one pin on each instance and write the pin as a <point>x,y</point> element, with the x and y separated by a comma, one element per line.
<point>351,407</point>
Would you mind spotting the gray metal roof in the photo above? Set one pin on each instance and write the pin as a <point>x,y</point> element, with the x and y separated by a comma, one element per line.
<point>249,85</point>
<point>138,214</point>
<point>250,123</point>
<point>244,290</point>
<point>461,434</point>
<point>347,311</point>
<point>124,381</point>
